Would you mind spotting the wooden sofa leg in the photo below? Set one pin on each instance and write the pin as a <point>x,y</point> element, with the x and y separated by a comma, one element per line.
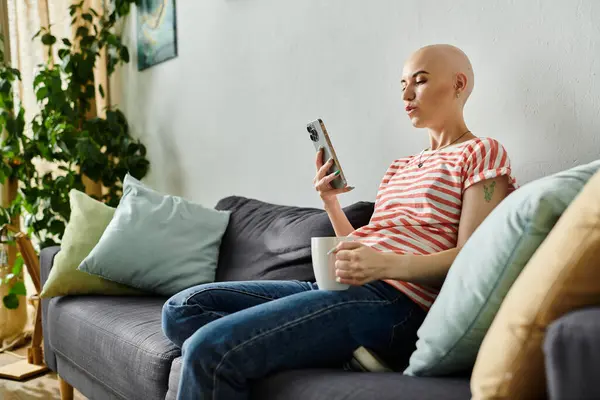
<point>66,390</point>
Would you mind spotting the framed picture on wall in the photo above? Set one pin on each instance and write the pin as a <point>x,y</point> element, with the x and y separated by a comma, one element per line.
<point>156,32</point>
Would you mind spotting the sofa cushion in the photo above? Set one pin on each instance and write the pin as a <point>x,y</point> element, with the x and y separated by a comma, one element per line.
<point>157,242</point>
<point>269,241</point>
<point>92,217</point>
<point>328,384</point>
<point>319,384</point>
<point>117,340</point>
<point>486,268</point>
<point>562,276</point>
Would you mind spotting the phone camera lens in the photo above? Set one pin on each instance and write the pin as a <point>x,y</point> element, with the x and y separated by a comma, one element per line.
<point>314,136</point>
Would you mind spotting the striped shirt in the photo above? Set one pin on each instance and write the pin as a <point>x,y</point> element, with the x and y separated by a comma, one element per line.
<point>417,210</point>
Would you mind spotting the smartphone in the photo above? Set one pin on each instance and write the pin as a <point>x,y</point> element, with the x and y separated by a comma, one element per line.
<point>319,137</point>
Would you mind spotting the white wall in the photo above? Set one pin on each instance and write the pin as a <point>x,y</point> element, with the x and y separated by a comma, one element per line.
<point>228,115</point>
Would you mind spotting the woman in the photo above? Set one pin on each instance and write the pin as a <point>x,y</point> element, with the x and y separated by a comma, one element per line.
<point>427,206</point>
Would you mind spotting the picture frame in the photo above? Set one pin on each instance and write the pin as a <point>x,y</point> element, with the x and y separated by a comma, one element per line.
<point>156,32</point>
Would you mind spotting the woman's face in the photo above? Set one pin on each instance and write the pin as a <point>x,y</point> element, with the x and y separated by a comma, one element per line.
<point>429,92</point>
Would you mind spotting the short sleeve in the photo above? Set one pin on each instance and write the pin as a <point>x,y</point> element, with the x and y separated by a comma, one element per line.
<point>486,159</point>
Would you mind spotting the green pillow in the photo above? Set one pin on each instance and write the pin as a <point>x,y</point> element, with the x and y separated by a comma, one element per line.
<point>485,269</point>
<point>158,243</point>
<point>89,219</point>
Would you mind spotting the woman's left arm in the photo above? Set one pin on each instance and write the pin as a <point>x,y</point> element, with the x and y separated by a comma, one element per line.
<point>478,202</point>
<point>358,264</point>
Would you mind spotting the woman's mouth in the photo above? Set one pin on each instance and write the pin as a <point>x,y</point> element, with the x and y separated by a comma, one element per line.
<point>410,109</point>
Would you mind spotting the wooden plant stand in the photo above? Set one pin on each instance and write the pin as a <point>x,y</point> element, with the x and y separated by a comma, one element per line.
<point>34,364</point>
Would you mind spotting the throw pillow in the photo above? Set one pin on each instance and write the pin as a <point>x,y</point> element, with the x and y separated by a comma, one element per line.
<point>563,275</point>
<point>272,241</point>
<point>89,218</point>
<point>485,269</point>
<point>158,243</point>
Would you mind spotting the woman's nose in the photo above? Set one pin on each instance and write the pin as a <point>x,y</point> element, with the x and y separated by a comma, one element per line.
<point>408,95</point>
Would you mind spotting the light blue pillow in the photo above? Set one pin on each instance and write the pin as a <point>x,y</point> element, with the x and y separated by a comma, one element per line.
<point>158,243</point>
<point>485,269</point>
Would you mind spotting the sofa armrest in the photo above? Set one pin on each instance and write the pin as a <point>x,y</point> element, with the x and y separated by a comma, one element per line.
<point>46,261</point>
<point>572,355</point>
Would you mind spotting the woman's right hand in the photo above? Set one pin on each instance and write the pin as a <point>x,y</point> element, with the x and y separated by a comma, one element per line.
<point>322,181</point>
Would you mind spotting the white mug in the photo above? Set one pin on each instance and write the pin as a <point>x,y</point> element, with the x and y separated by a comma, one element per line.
<point>324,264</point>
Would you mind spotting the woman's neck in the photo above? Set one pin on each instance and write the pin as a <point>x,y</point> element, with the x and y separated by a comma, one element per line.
<point>448,134</point>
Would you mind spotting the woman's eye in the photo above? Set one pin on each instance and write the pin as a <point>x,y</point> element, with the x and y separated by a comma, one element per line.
<point>420,82</point>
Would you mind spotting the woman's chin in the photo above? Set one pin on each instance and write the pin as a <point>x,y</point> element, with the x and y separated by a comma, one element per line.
<point>417,122</point>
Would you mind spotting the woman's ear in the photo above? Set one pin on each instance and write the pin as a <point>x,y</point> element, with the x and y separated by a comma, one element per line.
<point>460,82</point>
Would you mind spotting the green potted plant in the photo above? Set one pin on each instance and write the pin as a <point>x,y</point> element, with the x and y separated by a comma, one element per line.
<point>12,125</point>
<point>66,132</point>
<point>10,275</point>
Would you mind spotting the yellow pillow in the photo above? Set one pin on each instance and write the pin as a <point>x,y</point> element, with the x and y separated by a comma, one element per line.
<point>89,218</point>
<point>563,275</point>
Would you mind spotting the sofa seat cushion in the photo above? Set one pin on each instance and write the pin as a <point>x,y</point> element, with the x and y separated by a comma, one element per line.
<point>319,384</point>
<point>330,384</point>
<point>117,340</point>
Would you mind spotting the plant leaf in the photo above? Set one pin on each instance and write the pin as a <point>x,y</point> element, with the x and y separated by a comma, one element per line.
<point>18,267</point>
<point>41,93</point>
<point>11,301</point>
<point>124,53</point>
<point>18,289</point>
<point>48,39</point>
<point>62,53</point>
<point>82,31</point>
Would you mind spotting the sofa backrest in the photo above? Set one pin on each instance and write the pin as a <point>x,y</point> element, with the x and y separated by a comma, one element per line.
<point>270,241</point>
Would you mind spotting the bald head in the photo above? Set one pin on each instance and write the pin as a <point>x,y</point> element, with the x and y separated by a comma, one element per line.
<point>436,82</point>
<point>449,61</point>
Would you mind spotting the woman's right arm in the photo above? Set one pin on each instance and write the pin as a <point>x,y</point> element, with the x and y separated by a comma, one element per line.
<point>341,224</point>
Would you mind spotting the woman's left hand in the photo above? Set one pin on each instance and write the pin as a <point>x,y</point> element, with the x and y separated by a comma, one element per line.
<point>357,264</point>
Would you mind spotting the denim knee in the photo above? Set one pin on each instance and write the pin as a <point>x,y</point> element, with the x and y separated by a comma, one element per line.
<point>169,317</point>
<point>204,348</point>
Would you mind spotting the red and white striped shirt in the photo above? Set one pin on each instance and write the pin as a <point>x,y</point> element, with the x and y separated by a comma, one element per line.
<point>417,210</point>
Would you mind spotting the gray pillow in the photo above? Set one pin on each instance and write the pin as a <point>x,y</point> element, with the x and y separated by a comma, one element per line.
<point>272,241</point>
<point>158,243</point>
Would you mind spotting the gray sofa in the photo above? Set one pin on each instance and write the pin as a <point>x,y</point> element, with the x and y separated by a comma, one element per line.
<point>112,347</point>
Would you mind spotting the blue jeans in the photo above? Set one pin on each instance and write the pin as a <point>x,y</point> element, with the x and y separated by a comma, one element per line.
<point>232,333</point>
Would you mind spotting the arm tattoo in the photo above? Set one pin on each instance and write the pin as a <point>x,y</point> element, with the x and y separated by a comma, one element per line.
<point>489,192</point>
